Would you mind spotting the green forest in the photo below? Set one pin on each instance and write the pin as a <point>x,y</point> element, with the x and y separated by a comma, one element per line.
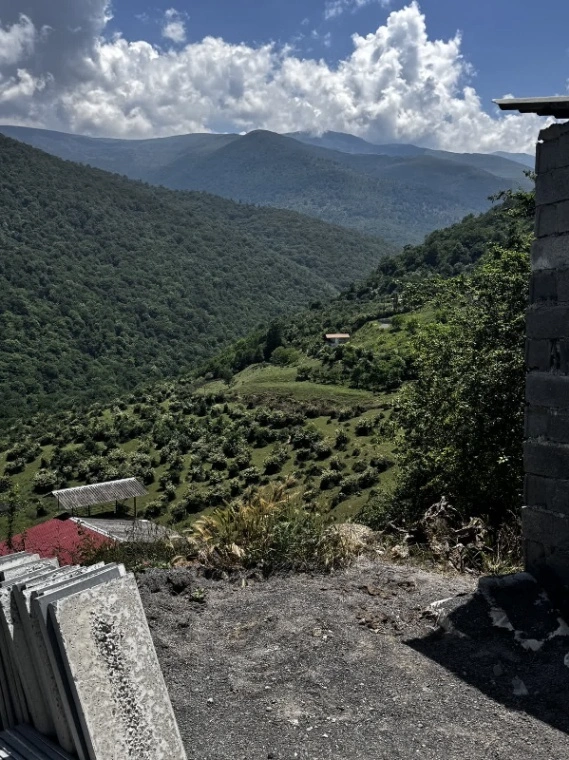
<point>107,283</point>
<point>427,393</point>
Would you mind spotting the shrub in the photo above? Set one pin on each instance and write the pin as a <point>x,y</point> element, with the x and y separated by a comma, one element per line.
<point>364,427</point>
<point>44,481</point>
<point>270,532</point>
<point>251,475</point>
<point>329,479</point>
<point>18,465</point>
<point>342,439</point>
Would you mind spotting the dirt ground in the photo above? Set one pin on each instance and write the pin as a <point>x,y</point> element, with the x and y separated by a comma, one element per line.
<point>353,666</point>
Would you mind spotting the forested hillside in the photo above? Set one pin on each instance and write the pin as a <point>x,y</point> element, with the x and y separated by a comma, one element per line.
<point>106,283</point>
<point>399,193</point>
<point>281,406</point>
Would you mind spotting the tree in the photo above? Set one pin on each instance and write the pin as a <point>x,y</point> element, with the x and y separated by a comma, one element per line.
<point>462,419</point>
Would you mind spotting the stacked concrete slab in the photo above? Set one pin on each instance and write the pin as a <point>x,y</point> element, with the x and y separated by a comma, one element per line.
<point>546,516</point>
<point>77,665</point>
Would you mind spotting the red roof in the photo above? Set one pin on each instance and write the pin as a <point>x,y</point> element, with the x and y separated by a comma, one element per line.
<point>61,537</point>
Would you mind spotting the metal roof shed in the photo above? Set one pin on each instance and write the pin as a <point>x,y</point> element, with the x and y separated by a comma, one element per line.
<point>70,499</point>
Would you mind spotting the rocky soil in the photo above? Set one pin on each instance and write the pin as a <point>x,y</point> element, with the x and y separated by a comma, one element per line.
<point>353,666</point>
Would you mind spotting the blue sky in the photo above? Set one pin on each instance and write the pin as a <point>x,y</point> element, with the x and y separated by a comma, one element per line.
<point>387,70</point>
<point>511,49</point>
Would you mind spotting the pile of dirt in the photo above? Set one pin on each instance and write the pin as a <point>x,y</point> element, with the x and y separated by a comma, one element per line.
<point>357,665</point>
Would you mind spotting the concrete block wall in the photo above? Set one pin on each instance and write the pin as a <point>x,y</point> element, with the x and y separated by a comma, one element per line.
<point>545,517</point>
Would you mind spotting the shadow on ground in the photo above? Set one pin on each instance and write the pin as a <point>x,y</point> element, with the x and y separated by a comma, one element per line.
<point>508,641</point>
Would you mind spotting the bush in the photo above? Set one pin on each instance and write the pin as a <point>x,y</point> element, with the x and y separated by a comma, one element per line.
<point>251,475</point>
<point>45,481</point>
<point>364,427</point>
<point>269,532</point>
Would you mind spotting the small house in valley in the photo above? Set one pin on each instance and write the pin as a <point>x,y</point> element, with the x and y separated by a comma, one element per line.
<point>336,339</point>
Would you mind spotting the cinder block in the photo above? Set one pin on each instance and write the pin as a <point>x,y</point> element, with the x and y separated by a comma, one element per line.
<point>553,132</point>
<point>551,460</point>
<point>543,286</point>
<point>114,674</point>
<point>536,423</point>
<point>550,529</point>
<point>547,493</point>
<point>538,355</point>
<point>550,252</point>
<point>536,491</point>
<point>552,219</point>
<point>552,186</point>
<point>562,276</point>
<point>558,425</point>
<point>546,155</point>
<point>547,322</point>
<point>547,390</point>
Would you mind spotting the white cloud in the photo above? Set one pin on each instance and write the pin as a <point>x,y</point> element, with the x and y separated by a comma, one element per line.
<point>174,28</point>
<point>335,8</point>
<point>325,39</point>
<point>16,41</point>
<point>396,85</point>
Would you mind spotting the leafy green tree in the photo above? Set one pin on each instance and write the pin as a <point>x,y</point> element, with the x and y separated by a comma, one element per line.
<point>462,419</point>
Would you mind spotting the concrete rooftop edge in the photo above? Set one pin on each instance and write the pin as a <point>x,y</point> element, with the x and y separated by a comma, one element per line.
<point>557,106</point>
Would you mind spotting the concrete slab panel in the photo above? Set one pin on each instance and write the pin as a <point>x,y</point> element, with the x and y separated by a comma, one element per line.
<point>40,603</point>
<point>13,560</point>
<point>9,558</point>
<point>115,677</point>
<point>21,679</point>
<point>29,567</point>
<point>35,739</point>
<point>37,646</point>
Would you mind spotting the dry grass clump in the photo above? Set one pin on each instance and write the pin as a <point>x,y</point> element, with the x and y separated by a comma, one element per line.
<point>270,530</point>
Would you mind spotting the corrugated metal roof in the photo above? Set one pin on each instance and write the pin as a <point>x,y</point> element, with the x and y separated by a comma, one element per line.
<point>557,106</point>
<point>99,493</point>
<point>330,336</point>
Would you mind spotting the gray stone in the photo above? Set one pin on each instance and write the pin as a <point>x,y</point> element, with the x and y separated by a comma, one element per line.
<point>115,677</point>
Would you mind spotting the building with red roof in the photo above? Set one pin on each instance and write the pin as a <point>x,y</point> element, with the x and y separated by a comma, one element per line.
<point>63,537</point>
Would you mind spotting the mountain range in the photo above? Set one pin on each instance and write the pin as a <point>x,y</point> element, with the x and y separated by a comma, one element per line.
<point>107,283</point>
<point>399,192</point>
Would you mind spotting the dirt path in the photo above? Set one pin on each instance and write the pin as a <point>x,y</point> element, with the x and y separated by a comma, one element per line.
<point>348,667</point>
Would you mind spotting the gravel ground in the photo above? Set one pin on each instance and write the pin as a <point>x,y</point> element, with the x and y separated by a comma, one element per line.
<point>350,666</point>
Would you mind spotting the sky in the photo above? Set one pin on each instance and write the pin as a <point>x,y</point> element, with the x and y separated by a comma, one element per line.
<point>386,70</point>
